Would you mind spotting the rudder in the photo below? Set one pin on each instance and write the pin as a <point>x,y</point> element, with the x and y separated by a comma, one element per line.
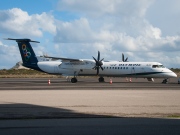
<point>27,53</point>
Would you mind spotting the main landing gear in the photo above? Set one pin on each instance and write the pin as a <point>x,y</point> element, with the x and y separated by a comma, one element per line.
<point>74,80</point>
<point>101,79</point>
<point>165,81</point>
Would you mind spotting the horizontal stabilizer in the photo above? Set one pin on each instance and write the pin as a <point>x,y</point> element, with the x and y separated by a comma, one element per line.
<point>20,40</point>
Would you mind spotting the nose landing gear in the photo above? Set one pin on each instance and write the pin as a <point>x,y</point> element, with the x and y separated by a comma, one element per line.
<point>101,79</point>
<point>74,79</point>
<point>165,81</point>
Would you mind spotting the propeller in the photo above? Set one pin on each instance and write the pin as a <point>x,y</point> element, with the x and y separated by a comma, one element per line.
<point>98,63</point>
<point>124,60</point>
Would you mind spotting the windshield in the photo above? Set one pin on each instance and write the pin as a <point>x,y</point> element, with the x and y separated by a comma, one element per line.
<point>158,66</point>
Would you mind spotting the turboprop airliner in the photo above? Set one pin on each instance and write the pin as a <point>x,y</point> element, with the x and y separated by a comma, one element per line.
<point>91,67</point>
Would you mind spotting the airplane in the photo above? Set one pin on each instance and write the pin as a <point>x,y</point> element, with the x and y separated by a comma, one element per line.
<point>91,67</point>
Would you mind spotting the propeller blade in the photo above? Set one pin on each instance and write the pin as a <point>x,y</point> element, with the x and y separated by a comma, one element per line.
<point>98,56</point>
<point>102,59</point>
<point>94,59</point>
<point>126,59</point>
<point>97,70</point>
<point>101,68</point>
<point>122,57</point>
<point>98,63</point>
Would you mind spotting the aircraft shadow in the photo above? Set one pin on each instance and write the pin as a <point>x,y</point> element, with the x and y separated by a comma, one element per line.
<point>19,118</point>
<point>29,111</point>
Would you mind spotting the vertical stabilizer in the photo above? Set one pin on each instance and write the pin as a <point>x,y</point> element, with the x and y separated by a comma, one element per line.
<point>27,54</point>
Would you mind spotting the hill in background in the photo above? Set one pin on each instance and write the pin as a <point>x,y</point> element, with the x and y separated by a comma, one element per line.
<point>19,66</point>
<point>19,71</point>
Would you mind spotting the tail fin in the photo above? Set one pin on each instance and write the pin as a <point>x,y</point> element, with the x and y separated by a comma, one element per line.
<point>28,56</point>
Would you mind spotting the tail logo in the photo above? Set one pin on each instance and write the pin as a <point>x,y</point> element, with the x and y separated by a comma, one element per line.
<point>26,52</point>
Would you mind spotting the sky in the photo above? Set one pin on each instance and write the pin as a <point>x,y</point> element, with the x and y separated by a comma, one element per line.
<point>144,30</point>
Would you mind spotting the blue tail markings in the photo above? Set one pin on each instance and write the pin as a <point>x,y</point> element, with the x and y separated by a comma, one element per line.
<point>27,53</point>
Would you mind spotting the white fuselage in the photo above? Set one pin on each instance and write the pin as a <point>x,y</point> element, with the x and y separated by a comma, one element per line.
<point>111,69</point>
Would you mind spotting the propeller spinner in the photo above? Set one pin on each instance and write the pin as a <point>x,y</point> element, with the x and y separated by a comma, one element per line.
<point>98,63</point>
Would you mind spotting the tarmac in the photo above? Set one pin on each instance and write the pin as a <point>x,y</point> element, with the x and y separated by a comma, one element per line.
<point>133,106</point>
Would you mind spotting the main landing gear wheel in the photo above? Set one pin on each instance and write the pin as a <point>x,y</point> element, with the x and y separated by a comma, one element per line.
<point>101,79</point>
<point>73,80</point>
<point>165,81</point>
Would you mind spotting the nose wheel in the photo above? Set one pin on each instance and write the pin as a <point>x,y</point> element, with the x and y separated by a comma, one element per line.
<point>101,79</point>
<point>165,81</point>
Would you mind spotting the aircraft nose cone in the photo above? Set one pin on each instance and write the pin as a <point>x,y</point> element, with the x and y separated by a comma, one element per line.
<point>172,74</point>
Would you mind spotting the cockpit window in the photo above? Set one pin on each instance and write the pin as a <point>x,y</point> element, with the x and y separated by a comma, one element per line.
<point>161,66</point>
<point>158,66</point>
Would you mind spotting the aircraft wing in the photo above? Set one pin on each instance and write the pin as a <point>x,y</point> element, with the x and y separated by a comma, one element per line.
<point>64,59</point>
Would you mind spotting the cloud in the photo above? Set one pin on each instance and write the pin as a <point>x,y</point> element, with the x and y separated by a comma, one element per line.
<point>75,31</point>
<point>116,17</point>
<point>114,27</point>
<point>17,23</point>
<point>9,55</point>
<point>165,15</point>
<point>20,23</point>
<point>97,8</point>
